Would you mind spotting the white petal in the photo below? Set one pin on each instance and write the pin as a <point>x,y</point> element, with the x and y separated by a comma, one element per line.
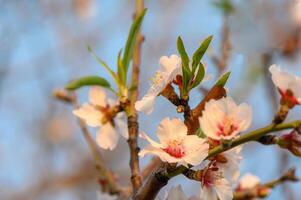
<point>280,78</point>
<point>196,149</point>
<point>107,137</point>
<point>224,190</point>
<point>121,125</point>
<point>173,129</point>
<point>105,196</point>
<point>89,114</point>
<point>248,181</point>
<point>151,141</point>
<point>244,115</point>
<point>146,104</point>
<point>176,193</point>
<point>208,193</point>
<point>169,64</point>
<point>97,96</point>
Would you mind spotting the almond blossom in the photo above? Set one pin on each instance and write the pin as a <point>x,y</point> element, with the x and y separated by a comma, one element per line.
<point>177,193</point>
<point>95,115</point>
<point>175,145</point>
<point>288,85</point>
<point>248,181</point>
<point>223,119</point>
<point>214,185</point>
<point>170,67</point>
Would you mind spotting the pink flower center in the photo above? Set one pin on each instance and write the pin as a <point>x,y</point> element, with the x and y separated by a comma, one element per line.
<point>175,149</point>
<point>210,176</point>
<point>288,98</point>
<point>227,127</point>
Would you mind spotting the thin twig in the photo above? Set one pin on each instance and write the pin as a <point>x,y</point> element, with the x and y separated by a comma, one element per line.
<point>133,117</point>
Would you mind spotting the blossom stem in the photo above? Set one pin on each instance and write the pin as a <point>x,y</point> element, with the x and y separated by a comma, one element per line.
<point>133,117</point>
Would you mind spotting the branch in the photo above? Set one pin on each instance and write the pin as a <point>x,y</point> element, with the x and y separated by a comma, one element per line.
<point>133,117</point>
<point>263,190</point>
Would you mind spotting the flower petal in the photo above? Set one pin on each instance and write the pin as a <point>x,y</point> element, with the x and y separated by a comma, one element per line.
<point>169,130</point>
<point>121,125</point>
<point>223,190</point>
<point>107,137</point>
<point>196,149</point>
<point>89,114</point>
<point>97,96</point>
<point>176,193</point>
<point>146,104</point>
<point>151,141</point>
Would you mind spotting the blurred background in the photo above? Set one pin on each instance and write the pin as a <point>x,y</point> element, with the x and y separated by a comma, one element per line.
<point>43,45</point>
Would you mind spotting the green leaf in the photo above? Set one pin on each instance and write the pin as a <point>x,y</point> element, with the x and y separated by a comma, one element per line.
<point>199,76</point>
<point>223,79</point>
<point>121,71</point>
<point>88,81</point>
<point>185,62</point>
<point>200,133</point>
<point>226,6</point>
<point>130,43</point>
<point>102,63</point>
<point>199,53</point>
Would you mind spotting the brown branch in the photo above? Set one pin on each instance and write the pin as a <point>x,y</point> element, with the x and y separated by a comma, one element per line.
<point>151,167</point>
<point>133,117</point>
<point>263,190</point>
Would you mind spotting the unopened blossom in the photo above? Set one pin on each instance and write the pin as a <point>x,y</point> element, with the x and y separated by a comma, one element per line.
<point>175,145</point>
<point>288,86</point>
<point>215,186</point>
<point>224,119</point>
<point>95,114</point>
<point>170,67</point>
<point>248,181</point>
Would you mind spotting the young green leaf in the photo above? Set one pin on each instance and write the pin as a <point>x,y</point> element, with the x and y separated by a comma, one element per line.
<point>88,81</point>
<point>129,47</point>
<point>120,69</point>
<point>200,133</point>
<point>223,79</point>
<point>199,76</point>
<point>102,63</point>
<point>226,6</point>
<point>185,62</point>
<point>199,53</point>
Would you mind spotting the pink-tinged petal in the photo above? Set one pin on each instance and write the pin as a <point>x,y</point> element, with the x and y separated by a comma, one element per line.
<point>146,104</point>
<point>249,181</point>
<point>121,125</point>
<point>97,96</point>
<point>151,141</point>
<point>281,79</point>
<point>208,193</point>
<point>169,130</point>
<point>89,114</point>
<point>165,157</point>
<point>196,149</point>
<point>296,90</point>
<point>176,193</point>
<point>107,137</point>
<point>244,116</point>
<point>223,189</point>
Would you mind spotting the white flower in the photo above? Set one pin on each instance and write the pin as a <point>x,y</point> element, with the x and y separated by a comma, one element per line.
<point>170,67</point>
<point>176,193</point>
<point>230,169</point>
<point>223,119</point>
<point>296,12</point>
<point>288,85</point>
<point>175,145</point>
<point>105,196</point>
<point>215,186</point>
<point>92,113</point>
<point>248,181</point>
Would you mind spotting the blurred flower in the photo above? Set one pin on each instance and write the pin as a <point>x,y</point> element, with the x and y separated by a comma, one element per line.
<point>288,85</point>
<point>175,145</point>
<point>291,142</point>
<point>248,181</point>
<point>97,114</point>
<point>105,196</point>
<point>214,185</point>
<point>170,67</point>
<point>223,119</point>
<point>86,9</point>
<point>296,12</point>
<point>177,193</point>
